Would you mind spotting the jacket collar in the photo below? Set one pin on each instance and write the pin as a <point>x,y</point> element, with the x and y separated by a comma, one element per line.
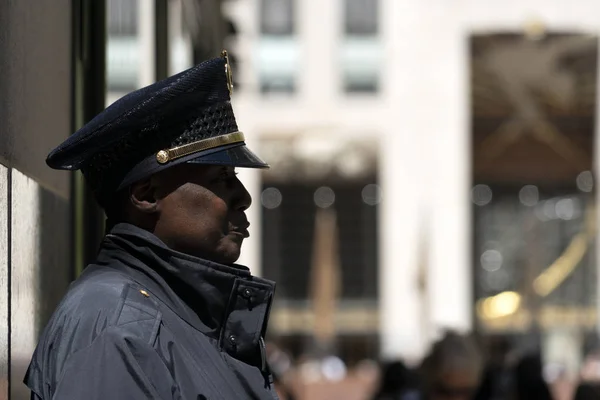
<point>224,302</point>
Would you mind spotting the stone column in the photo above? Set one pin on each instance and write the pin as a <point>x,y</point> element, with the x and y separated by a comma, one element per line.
<point>404,109</point>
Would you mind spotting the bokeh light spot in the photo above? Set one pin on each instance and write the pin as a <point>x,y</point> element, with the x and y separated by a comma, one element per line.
<point>585,181</point>
<point>271,198</point>
<point>481,195</point>
<point>371,194</point>
<point>324,197</point>
<point>491,260</point>
<point>529,195</point>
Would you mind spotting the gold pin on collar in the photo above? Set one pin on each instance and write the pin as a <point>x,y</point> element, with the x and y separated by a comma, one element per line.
<point>228,72</point>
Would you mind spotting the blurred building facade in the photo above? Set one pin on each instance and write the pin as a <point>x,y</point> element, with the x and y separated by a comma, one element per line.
<point>456,142</point>
<point>327,90</point>
<point>453,141</point>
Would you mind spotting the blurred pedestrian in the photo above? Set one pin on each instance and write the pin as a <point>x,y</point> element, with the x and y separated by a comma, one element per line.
<point>282,388</point>
<point>587,391</point>
<point>452,369</point>
<point>281,365</point>
<point>397,382</point>
<point>589,388</point>
<point>497,382</point>
<point>529,379</point>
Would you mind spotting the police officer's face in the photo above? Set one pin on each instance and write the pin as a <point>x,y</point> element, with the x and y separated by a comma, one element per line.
<point>200,211</point>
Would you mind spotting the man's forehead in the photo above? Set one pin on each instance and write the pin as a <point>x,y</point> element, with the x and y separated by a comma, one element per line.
<point>221,168</point>
<point>199,174</point>
<point>203,169</point>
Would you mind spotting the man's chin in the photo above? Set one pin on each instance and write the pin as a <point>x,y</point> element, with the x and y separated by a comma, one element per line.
<point>226,252</point>
<point>230,253</point>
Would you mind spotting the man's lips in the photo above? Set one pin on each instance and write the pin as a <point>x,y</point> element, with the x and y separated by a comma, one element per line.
<point>241,229</point>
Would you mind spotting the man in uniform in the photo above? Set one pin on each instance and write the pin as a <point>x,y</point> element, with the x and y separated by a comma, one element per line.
<point>163,312</point>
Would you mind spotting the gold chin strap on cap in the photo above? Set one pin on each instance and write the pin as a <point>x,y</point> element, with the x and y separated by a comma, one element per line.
<point>164,156</point>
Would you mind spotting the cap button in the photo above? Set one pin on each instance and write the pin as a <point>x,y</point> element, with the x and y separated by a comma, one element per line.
<point>162,157</point>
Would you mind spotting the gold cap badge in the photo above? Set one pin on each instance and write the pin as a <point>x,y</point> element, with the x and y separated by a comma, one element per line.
<point>228,72</point>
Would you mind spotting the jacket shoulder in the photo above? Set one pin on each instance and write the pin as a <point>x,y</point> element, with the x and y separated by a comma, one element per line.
<point>103,297</point>
<point>100,299</point>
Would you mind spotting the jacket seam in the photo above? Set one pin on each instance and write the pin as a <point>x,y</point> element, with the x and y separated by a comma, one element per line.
<point>154,333</point>
<point>119,308</point>
<point>134,306</point>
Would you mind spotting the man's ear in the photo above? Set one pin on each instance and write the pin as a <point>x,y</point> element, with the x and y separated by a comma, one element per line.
<point>142,196</point>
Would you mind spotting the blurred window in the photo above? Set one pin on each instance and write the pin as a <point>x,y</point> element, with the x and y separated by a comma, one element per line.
<point>361,48</point>
<point>533,194</point>
<point>361,17</point>
<point>122,17</point>
<point>288,238</point>
<point>122,48</point>
<point>278,48</point>
<point>277,17</point>
<point>278,58</point>
<point>277,86</point>
<point>515,243</point>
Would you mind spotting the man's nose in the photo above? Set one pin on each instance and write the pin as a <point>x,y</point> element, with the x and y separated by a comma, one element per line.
<point>243,200</point>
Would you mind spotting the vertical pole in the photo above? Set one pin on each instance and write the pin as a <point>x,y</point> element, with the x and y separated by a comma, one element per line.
<point>161,39</point>
<point>89,92</point>
<point>596,172</point>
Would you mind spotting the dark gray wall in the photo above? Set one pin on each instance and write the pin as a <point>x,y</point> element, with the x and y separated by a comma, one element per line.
<point>35,216</point>
<point>35,73</point>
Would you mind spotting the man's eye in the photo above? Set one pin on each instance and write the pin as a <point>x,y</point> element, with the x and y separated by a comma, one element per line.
<point>226,177</point>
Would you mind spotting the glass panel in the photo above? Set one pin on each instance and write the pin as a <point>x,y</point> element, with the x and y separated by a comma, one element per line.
<point>122,53</point>
<point>278,60</point>
<point>361,17</point>
<point>122,17</point>
<point>180,41</point>
<point>533,116</point>
<point>277,17</point>
<point>278,49</point>
<point>361,60</point>
<point>361,50</point>
<point>295,189</point>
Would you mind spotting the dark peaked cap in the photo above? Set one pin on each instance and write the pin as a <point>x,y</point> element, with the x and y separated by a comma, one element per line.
<point>184,118</point>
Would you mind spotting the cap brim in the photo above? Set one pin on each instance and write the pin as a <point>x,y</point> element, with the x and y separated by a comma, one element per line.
<point>238,155</point>
<point>234,155</point>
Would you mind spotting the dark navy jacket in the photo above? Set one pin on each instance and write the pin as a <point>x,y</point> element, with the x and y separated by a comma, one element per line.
<point>145,322</point>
